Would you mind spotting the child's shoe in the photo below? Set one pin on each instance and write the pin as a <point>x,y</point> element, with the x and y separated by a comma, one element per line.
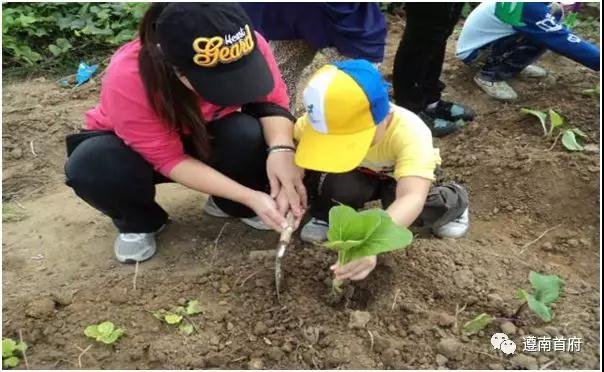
<point>315,231</point>
<point>497,89</point>
<point>450,111</point>
<point>533,71</point>
<point>454,229</point>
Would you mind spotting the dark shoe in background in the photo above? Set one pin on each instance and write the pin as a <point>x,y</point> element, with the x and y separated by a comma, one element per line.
<point>450,111</point>
<point>440,127</point>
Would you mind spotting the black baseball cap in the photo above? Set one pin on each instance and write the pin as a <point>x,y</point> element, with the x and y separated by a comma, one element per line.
<point>214,46</point>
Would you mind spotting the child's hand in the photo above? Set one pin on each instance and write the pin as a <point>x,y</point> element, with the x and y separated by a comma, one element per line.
<point>355,270</point>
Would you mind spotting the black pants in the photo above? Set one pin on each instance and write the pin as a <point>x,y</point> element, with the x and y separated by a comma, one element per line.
<point>116,180</point>
<point>421,53</point>
<point>445,202</point>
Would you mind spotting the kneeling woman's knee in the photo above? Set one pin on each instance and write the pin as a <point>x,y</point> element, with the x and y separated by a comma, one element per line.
<point>104,162</point>
<point>239,132</point>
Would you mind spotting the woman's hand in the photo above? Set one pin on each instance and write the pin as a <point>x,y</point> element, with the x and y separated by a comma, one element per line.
<point>287,178</point>
<point>283,207</point>
<point>266,208</point>
<point>355,270</point>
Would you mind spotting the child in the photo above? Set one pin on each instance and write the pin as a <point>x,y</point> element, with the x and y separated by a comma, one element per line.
<point>514,35</point>
<point>358,147</point>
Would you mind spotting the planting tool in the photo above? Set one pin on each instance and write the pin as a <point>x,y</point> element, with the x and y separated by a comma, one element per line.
<point>284,240</point>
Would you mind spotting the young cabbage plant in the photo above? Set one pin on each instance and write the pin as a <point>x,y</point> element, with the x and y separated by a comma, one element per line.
<point>178,316</point>
<point>105,332</point>
<point>547,290</point>
<point>571,137</point>
<point>356,235</point>
<point>12,352</point>
<point>592,92</point>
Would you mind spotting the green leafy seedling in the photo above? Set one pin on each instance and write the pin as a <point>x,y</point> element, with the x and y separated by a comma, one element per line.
<point>12,352</point>
<point>478,323</point>
<point>193,307</point>
<point>558,123</point>
<point>547,290</point>
<point>171,318</point>
<point>186,328</point>
<point>571,141</point>
<point>542,116</point>
<point>571,20</point>
<point>179,316</point>
<point>592,92</point>
<point>105,332</point>
<point>356,235</point>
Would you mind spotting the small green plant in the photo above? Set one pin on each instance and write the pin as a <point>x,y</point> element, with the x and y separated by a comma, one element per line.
<point>12,352</point>
<point>572,20</point>
<point>558,123</point>
<point>546,290</point>
<point>179,316</point>
<point>356,235</point>
<point>10,213</point>
<point>105,332</point>
<point>592,92</point>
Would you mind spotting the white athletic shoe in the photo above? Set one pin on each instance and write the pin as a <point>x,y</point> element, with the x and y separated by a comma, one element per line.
<point>454,229</point>
<point>213,210</point>
<point>533,71</point>
<point>497,89</point>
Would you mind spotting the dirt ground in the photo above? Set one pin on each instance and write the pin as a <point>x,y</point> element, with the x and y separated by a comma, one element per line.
<point>60,275</point>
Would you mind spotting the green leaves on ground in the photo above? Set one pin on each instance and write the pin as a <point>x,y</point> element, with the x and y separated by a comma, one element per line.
<point>542,116</point>
<point>193,307</point>
<point>571,20</point>
<point>571,141</point>
<point>571,137</point>
<point>360,234</point>
<point>12,352</point>
<point>478,323</point>
<point>172,318</point>
<point>105,332</point>
<point>592,92</point>
<point>62,33</point>
<point>547,289</point>
<point>178,316</point>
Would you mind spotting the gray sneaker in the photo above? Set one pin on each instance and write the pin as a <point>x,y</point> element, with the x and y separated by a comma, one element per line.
<point>454,229</point>
<point>133,247</point>
<point>315,231</point>
<point>213,210</point>
<point>255,222</point>
<point>497,89</point>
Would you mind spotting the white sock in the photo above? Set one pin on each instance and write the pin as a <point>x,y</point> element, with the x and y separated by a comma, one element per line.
<point>432,105</point>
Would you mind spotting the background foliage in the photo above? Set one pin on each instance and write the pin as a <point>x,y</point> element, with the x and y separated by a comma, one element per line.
<point>55,36</point>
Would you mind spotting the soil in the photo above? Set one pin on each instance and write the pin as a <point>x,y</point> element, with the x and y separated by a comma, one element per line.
<point>59,273</point>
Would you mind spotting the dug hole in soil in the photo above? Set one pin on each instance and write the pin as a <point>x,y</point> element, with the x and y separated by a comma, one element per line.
<point>59,273</point>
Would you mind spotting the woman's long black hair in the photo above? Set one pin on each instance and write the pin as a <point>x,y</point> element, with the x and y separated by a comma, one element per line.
<point>170,99</point>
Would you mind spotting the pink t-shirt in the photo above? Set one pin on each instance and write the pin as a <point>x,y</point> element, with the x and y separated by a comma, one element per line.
<point>125,110</point>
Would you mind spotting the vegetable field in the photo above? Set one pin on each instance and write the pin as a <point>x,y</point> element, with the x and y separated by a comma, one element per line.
<point>528,267</point>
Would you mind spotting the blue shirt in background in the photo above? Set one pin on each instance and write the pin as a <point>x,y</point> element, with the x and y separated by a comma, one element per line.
<point>357,30</point>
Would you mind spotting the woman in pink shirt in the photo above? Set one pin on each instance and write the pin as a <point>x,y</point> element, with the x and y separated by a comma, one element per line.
<point>197,99</point>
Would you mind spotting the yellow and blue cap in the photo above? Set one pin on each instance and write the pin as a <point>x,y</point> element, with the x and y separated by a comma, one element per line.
<point>344,103</point>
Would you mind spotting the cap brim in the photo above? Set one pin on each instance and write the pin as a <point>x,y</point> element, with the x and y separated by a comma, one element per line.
<point>235,83</point>
<point>332,153</point>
